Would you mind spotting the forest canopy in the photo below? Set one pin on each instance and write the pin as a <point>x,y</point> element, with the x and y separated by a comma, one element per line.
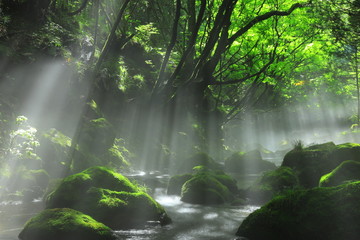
<point>182,66</point>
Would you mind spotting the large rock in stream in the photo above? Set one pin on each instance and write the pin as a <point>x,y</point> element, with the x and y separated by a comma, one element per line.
<point>65,224</point>
<point>109,198</point>
<point>318,213</point>
<point>204,186</point>
<point>313,162</point>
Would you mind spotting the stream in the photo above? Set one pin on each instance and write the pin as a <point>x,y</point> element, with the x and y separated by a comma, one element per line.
<point>190,221</point>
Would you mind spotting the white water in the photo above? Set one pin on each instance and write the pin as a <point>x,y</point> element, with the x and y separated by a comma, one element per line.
<point>190,222</point>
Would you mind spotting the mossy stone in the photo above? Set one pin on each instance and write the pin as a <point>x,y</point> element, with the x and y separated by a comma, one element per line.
<point>318,213</point>
<point>272,183</point>
<point>64,224</point>
<point>176,182</point>
<point>247,163</point>
<point>108,197</point>
<point>313,162</point>
<point>205,189</point>
<point>345,172</point>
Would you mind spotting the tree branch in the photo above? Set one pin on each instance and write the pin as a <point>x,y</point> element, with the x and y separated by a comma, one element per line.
<point>83,5</point>
<point>261,18</point>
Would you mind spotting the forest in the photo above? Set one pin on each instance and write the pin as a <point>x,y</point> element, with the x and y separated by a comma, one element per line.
<point>179,119</point>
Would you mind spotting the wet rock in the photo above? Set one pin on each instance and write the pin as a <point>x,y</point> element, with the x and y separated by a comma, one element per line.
<point>319,213</point>
<point>208,187</point>
<point>108,197</point>
<point>272,183</point>
<point>313,162</point>
<point>347,171</point>
<point>64,224</point>
<point>176,182</point>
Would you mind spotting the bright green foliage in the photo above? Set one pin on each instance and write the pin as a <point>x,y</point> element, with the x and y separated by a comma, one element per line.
<point>64,223</point>
<point>24,142</point>
<point>347,171</point>
<point>319,213</point>
<point>109,197</point>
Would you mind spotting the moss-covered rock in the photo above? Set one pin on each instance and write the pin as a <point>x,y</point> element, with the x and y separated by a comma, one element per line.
<point>64,224</point>
<point>345,172</point>
<point>247,163</point>
<point>205,189</point>
<point>219,175</point>
<point>313,162</point>
<point>319,213</point>
<point>207,186</point>
<point>176,182</point>
<point>198,159</point>
<point>108,197</point>
<point>272,183</point>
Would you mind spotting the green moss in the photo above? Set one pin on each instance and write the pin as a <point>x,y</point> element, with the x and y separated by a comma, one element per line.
<point>272,183</point>
<point>107,196</point>
<point>205,189</point>
<point>59,224</point>
<point>79,183</point>
<point>176,182</point>
<point>346,171</point>
<point>319,213</point>
<point>313,162</point>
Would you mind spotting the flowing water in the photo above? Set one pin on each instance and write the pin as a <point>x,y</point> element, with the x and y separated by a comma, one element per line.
<point>190,221</point>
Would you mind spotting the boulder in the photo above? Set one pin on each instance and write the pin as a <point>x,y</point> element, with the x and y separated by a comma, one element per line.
<point>272,183</point>
<point>204,189</point>
<point>176,182</point>
<point>313,162</point>
<point>247,163</point>
<point>208,187</point>
<point>347,171</point>
<point>318,213</point>
<point>108,197</point>
<point>64,224</point>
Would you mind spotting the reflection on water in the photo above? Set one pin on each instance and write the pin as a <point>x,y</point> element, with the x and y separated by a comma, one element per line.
<point>192,222</point>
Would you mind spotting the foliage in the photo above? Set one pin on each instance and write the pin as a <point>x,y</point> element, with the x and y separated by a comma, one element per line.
<point>24,142</point>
